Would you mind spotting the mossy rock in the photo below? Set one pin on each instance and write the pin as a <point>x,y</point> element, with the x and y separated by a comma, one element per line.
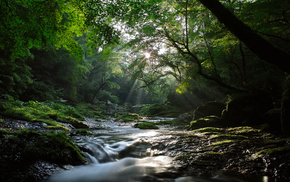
<point>83,132</point>
<point>44,112</point>
<point>166,122</point>
<point>224,142</point>
<point>20,150</point>
<point>245,130</point>
<point>146,125</point>
<point>129,117</point>
<point>273,151</point>
<point>247,109</point>
<point>76,123</point>
<point>55,147</point>
<point>210,121</point>
<point>208,109</point>
<point>209,129</point>
<point>228,137</point>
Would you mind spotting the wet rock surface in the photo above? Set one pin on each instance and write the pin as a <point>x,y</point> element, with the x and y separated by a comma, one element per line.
<point>242,152</point>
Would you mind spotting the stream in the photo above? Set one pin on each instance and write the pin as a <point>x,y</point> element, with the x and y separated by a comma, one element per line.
<point>118,152</point>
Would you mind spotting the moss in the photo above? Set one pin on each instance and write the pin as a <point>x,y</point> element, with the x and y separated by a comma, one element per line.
<point>166,122</point>
<point>224,142</point>
<point>146,125</point>
<point>4,132</point>
<point>209,129</point>
<point>273,151</point>
<point>99,115</point>
<point>91,110</point>
<point>129,117</point>
<point>2,121</point>
<point>244,130</point>
<point>22,149</point>
<point>228,136</point>
<point>75,122</point>
<point>55,147</point>
<point>213,153</point>
<point>210,121</point>
<point>83,132</point>
<point>30,146</point>
<point>46,113</point>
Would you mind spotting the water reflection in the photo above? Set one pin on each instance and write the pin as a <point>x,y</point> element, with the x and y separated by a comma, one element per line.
<point>148,133</point>
<point>124,170</point>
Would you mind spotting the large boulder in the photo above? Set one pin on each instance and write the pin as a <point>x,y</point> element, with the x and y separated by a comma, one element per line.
<point>211,108</point>
<point>247,108</point>
<point>209,121</point>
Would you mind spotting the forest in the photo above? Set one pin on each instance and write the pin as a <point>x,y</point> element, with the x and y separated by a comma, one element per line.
<point>212,65</point>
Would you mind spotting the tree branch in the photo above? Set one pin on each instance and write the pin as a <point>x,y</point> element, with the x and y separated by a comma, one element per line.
<point>258,45</point>
<point>195,60</point>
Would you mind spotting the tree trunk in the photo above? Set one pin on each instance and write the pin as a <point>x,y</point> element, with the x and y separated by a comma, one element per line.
<point>258,45</point>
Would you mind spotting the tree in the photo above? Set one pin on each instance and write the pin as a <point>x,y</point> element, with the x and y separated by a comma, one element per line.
<point>258,45</point>
<point>37,24</point>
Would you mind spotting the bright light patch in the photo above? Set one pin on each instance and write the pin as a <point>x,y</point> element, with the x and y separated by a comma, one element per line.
<point>147,55</point>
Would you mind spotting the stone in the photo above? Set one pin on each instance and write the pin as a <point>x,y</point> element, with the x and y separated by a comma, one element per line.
<point>210,108</point>
<point>247,108</point>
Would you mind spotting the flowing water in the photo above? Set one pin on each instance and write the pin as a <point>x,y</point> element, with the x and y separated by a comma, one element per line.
<point>121,153</point>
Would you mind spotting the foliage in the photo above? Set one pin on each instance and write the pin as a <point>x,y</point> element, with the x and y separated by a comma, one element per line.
<point>33,23</point>
<point>93,50</point>
<point>15,77</point>
<point>90,110</point>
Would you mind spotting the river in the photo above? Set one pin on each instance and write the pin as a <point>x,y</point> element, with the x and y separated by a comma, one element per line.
<point>118,152</point>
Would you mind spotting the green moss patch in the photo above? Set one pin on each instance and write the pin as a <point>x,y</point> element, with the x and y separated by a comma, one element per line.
<point>273,151</point>
<point>146,125</point>
<point>129,117</point>
<point>91,110</point>
<point>166,122</point>
<point>55,147</point>
<point>228,136</point>
<point>208,129</point>
<point>20,150</point>
<point>83,132</point>
<point>244,130</point>
<point>210,121</point>
<point>224,142</point>
<point>30,146</point>
<point>44,112</point>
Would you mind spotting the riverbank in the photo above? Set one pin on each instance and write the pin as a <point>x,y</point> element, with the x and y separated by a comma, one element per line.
<point>38,140</point>
<point>239,152</point>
